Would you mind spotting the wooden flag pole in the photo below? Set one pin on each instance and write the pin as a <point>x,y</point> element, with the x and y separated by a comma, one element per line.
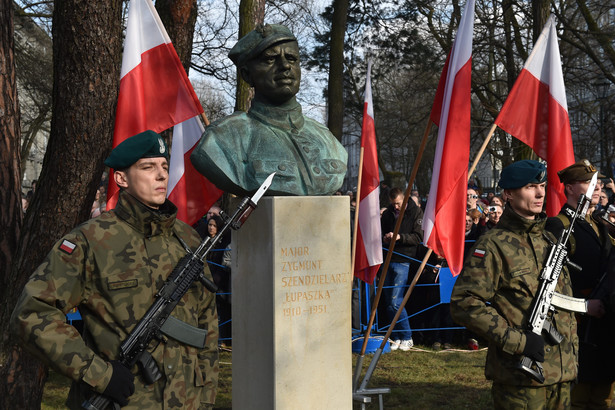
<point>387,262</point>
<point>479,154</point>
<point>359,363</point>
<point>374,361</point>
<point>356,212</point>
<point>205,120</point>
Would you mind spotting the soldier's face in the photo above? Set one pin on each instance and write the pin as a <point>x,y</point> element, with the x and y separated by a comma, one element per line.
<point>146,180</point>
<point>528,200</point>
<point>275,74</point>
<point>577,188</point>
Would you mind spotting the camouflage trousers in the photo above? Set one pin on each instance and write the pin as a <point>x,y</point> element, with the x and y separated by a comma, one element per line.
<point>592,395</point>
<point>555,396</point>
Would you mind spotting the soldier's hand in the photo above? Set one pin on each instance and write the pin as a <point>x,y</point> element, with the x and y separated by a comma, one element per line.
<point>595,308</point>
<point>534,347</point>
<point>122,383</point>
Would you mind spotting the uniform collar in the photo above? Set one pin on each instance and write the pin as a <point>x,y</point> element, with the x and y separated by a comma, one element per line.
<point>150,222</point>
<point>512,221</point>
<point>287,116</point>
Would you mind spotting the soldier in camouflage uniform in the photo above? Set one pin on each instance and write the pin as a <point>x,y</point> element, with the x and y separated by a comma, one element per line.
<point>111,268</point>
<point>493,297</point>
<point>589,247</point>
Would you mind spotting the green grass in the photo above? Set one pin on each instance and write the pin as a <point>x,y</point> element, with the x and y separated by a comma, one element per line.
<point>418,379</point>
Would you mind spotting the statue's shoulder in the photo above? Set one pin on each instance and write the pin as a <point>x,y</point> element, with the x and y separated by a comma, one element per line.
<point>229,124</point>
<point>311,123</point>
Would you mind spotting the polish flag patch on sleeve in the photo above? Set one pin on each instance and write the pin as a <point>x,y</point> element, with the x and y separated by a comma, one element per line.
<point>479,252</point>
<point>67,246</point>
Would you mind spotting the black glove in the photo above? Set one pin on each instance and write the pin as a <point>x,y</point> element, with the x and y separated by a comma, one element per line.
<point>122,384</point>
<point>534,347</point>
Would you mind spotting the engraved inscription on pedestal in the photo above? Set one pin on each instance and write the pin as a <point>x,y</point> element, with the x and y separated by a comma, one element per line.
<point>306,286</point>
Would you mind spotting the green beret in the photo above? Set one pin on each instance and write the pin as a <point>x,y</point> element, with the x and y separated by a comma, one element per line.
<point>520,173</point>
<point>147,144</point>
<point>257,41</point>
<point>580,171</point>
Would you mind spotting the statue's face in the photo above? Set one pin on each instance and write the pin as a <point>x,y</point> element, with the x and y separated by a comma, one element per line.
<point>275,74</point>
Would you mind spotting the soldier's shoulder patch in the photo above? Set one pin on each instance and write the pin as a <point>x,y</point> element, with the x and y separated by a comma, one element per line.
<point>479,253</point>
<point>67,246</point>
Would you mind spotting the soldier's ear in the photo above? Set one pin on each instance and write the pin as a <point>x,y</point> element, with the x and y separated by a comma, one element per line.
<point>245,74</point>
<point>120,179</point>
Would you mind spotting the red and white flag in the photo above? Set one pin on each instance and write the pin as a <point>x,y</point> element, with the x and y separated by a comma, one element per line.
<point>444,219</point>
<point>536,112</point>
<point>155,92</point>
<point>368,254</point>
<point>190,191</point>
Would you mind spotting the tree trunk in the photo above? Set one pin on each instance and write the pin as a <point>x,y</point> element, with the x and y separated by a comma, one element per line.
<point>251,13</point>
<point>87,43</point>
<point>540,11</point>
<point>10,181</point>
<point>10,189</point>
<point>335,94</point>
<point>179,18</point>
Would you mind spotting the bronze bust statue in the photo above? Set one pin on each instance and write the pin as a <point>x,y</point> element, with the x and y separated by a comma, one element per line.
<point>239,151</point>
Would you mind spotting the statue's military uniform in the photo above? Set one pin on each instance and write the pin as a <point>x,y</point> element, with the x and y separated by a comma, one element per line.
<point>493,298</point>
<point>239,152</point>
<point>111,268</point>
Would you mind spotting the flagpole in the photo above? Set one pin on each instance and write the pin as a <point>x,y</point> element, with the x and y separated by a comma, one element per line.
<point>356,212</point>
<point>359,363</point>
<point>374,361</point>
<point>387,262</point>
<point>482,150</point>
<point>205,120</point>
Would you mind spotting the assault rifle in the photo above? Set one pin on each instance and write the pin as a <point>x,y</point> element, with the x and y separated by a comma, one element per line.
<point>543,304</point>
<point>133,350</point>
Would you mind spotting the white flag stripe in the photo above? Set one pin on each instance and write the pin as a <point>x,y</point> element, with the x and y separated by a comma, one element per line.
<point>185,136</point>
<point>369,222</point>
<point>545,63</point>
<point>144,31</point>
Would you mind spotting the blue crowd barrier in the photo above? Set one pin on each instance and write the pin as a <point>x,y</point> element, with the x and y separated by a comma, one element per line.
<point>381,325</point>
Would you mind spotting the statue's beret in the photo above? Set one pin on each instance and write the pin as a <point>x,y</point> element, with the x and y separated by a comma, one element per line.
<point>257,41</point>
<point>147,144</point>
<point>520,173</point>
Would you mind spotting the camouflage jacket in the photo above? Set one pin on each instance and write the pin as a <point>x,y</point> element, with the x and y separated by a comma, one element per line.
<point>493,296</point>
<point>110,268</point>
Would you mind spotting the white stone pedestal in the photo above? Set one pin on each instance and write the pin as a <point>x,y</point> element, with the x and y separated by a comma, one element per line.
<point>291,286</point>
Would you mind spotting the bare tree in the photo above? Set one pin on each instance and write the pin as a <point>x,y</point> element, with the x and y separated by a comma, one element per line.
<point>335,91</point>
<point>33,59</point>
<point>251,13</point>
<point>87,45</point>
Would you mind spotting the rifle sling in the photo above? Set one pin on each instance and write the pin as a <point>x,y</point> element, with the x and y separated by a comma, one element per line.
<point>184,333</point>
